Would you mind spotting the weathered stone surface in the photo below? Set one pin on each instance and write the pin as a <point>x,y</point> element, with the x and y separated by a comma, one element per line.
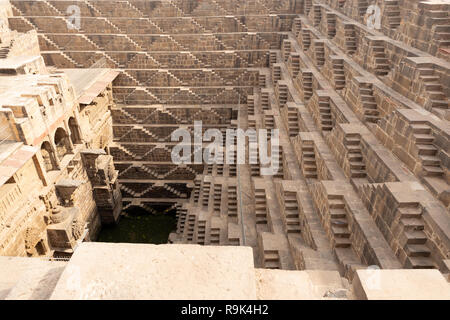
<point>157,272</point>
<point>362,175</point>
<point>401,284</point>
<point>298,285</point>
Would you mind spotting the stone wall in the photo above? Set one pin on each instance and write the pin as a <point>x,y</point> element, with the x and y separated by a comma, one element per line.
<point>362,116</point>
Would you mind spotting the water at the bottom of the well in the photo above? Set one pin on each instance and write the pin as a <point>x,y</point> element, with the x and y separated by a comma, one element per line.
<point>139,226</point>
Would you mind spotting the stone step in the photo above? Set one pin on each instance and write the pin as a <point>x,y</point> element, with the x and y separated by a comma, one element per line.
<point>433,87</point>
<point>339,222</point>
<point>371,118</point>
<point>351,141</point>
<point>419,263</point>
<point>427,149</point>
<point>354,149</point>
<point>355,157</point>
<point>358,173</point>
<point>336,204</point>
<point>437,14</point>
<point>443,36</point>
<point>371,112</point>
<point>410,212</point>
<point>412,223</point>
<point>340,231</point>
<point>421,128</point>
<point>436,95</point>
<point>442,28</point>
<point>433,171</point>
<point>430,160</point>
<point>415,237</point>
<point>439,103</point>
<point>354,165</point>
<point>271,256</point>
<point>342,242</point>
<point>424,138</point>
<point>417,250</point>
<point>429,78</point>
<point>338,213</point>
<point>426,72</point>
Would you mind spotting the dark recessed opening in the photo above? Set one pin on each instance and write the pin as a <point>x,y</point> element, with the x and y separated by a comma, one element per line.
<point>139,226</point>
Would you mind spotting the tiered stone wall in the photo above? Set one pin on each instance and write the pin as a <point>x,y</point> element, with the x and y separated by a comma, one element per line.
<point>197,59</point>
<point>57,185</point>
<point>362,114</point>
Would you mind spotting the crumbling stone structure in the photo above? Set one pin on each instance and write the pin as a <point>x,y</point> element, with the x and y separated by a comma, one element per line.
<point>57,183</point>
<point>361,106</point>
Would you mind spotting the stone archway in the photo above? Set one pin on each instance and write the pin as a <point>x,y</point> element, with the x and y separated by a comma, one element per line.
<point>62,143</point>
<point>49,156</point>
<point>75,133</point>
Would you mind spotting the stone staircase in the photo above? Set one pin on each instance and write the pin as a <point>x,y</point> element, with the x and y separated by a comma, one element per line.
<point>339,222</point>
<point>292,121</point>
<point>181,219</point>
<point>196,191</point>
<point>205,193</point>
<point>305,39</point>
<point>272,259</point>
<point>442,35</point>
<point>217,196</point>
<point>308,162</point>
<point>254,156</point>
<point>4,51</point>
<point>350,41</point>
<point>392,12</point>
<point>232,202</point>
<point>368,102</point>
<point>432,86</point>
<point>381,66</point>
<point>291,213</point>
<point>265,100</point>
<point>307,6</point>
<point>260,206</point>
<point>306,84</point>
<point>296,27</point>
<point>424,141</point>
<point>362,7</point>
<point>189,235</point>
<point>201,231</point>
<point>294,64</point>
<point>326,123</point>
<point>214,236</point>
<point>316,15</point>
<point>338,72</point>
<point>356,163</point>
<point>330,25</point>
<point>269,121</point>
<point>413,238</point>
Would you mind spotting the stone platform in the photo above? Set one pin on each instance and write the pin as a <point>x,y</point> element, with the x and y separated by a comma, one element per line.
<point>140,271</point>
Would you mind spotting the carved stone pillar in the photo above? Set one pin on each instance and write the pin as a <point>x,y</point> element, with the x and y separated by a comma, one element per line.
<point>103,176</point>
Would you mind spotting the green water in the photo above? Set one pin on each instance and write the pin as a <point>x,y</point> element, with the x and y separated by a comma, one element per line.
<point>140,227</point>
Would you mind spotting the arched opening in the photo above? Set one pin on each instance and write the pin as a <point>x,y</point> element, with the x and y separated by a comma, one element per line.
<point>48,156</point>
<point>62,143</point>
<point>75,134</point>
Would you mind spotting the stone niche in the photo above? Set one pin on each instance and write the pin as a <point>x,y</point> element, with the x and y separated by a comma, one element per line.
<point>66,190</point>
